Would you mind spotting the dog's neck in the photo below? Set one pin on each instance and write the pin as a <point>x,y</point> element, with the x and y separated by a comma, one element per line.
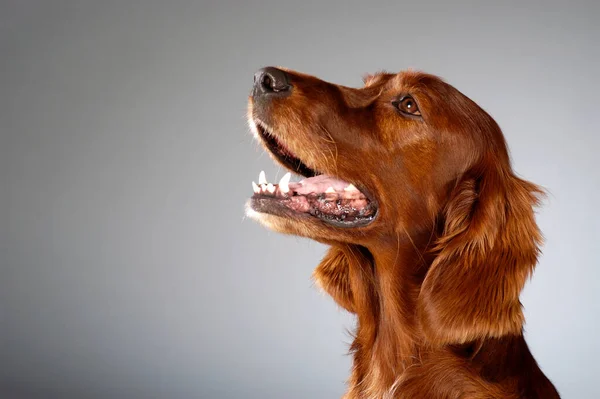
<point>387,336</point>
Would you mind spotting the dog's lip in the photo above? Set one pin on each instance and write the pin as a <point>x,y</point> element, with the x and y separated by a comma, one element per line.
<point>265,133</point>
<point>280,150</point>
<point>262,132</point>
<point>274,207</point>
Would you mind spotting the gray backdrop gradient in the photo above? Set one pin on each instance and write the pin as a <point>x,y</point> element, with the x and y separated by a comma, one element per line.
<point>127,267</point>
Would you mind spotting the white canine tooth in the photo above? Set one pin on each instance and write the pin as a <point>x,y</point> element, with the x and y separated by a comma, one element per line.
<point>330,190</point>
<point>351,188</point>
<point>270,188</point>
<point>262,178</point>
<point>284,182</point>
<point>255,188</point>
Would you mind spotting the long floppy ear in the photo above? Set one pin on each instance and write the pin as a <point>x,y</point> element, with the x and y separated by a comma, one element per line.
<point>488,249</point>
<point>345,273</point>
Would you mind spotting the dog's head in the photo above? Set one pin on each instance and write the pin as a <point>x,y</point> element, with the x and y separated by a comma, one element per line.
<point>375,160</point>
<point>407,155</point>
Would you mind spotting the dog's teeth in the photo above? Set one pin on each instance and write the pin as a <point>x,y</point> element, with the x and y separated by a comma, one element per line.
<point>270,188</point>
<point>284,182</point>
<point>330,190</point>
<point>351,188</point>
<point>255,188</point>
<point>262,178</point>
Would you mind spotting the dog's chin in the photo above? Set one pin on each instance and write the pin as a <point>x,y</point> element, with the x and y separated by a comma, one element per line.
<point>305,226</point>
<point>282,224</point>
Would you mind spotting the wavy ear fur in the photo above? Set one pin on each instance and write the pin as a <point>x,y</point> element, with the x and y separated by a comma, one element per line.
<point>488,249</point>
<point>333,276</point>
<point>346,273</point>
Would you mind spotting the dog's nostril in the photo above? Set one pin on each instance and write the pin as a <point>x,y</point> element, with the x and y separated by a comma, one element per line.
<point>267,82</point>
<point>271,81</point>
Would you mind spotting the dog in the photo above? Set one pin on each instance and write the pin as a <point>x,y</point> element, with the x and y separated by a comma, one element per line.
<point>432,235</point>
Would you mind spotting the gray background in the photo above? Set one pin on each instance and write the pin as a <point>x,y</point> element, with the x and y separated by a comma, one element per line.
<point>127,268</point>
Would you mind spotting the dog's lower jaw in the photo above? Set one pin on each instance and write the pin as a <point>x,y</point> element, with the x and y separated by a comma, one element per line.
<point>282,224</point>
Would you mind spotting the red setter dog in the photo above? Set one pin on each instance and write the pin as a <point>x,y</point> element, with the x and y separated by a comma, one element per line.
<point>432,234</point>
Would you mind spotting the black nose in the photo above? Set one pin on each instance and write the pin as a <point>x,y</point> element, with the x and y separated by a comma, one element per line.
<point>271,82</point>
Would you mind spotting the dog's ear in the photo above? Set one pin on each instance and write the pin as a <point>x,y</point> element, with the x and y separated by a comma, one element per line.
<point>346,273</point>
<point>333,276</point>
<point>488,249</point>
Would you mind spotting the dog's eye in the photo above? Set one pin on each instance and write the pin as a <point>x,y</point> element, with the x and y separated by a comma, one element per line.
<point>408,106</point>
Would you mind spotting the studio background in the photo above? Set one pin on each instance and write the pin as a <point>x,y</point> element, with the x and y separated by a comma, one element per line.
<point>128,269</point>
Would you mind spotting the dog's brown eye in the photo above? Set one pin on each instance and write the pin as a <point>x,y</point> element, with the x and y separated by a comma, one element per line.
<point>408,106</point>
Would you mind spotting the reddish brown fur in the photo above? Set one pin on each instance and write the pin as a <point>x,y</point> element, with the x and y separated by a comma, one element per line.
<point>435,279</point>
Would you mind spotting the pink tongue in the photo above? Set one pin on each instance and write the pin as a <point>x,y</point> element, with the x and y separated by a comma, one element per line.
<point>318,184</point>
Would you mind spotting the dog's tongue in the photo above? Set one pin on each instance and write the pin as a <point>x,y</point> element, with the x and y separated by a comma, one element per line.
<point>320,184</point>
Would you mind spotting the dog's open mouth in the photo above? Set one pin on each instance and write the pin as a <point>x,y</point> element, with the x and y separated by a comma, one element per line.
<point>325,197</point>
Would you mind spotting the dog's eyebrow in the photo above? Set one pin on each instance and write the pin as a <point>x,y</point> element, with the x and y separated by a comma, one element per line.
<point>372,78</point>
